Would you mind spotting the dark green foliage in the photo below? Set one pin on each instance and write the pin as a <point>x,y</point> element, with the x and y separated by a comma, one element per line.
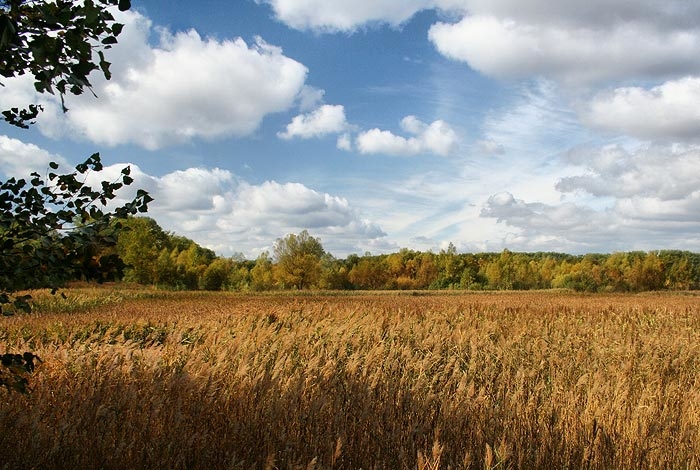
<point>14,369</point>
<point>55,42</point>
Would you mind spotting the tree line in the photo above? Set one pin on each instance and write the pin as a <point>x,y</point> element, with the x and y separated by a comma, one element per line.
<point>150,255</point>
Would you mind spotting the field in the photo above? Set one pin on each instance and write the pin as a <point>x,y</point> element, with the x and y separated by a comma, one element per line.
<point>550,380</point>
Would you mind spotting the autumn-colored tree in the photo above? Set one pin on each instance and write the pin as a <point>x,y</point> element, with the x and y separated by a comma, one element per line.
<point>368,273</point>
<point>298,260</point>
<point>261,274</point>
<point>216,274</point>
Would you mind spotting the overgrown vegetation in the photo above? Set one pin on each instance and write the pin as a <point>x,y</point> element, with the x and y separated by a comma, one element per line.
<point>475,380</point>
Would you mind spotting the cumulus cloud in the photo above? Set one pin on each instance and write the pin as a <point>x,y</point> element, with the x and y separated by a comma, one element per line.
<point>327,119</point>
<point>568,40</point>
<point>508,48</point>
<point>670,13</point>
<point>566,228</point>
<point>516,212</point>
<point>667,111</point>
<point>217,208</point>
<point>436,138</point>
<point>646,198</point>
<point>310,98</point>
<point>221,211</point>
<point>630,224</point>
<point>663,172</point>
<point>344,142</point>
<point>185,87</point>
<point>18,159</point>
<point>340,15</point>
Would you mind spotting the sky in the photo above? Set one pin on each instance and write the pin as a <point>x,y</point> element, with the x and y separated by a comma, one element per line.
<point>569,126</point>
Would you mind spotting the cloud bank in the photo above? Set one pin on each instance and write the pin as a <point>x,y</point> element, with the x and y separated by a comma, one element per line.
<point>652,198</point>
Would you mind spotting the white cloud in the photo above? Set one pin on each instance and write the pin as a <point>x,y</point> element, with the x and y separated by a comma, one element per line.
<point>647,198</point>
<point>344,142</point>
<point>327,119</point>
<point>568,39</point>
<point>341,15</point>
<point>223,212</point>
<point>19,159</point>
<point>187,87</point>
<point>548,227</point>
<point>511,48</point>
<point>671,13</point>
<point>667,111</point>
<point>630,224</point>
<point>663,172</point>
<point>310,98</point>
<point>218,209</point>
<point>436,138</point>
<point>553,219</point>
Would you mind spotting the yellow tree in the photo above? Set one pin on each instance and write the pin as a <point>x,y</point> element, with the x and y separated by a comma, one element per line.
<point>298,260</point>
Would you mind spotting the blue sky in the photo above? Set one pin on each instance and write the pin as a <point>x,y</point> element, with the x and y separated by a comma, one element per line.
<point>380,124</point>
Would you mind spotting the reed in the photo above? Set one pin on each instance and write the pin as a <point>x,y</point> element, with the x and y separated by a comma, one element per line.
<point>494,380</point>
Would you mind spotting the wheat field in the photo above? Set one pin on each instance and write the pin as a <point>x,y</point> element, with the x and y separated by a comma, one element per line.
<point>546,380</point>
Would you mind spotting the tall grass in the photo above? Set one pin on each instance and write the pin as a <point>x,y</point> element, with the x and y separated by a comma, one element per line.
<point>522,380</point>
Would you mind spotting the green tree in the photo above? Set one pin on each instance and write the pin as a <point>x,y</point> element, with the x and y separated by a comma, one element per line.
<point>191,264</point>
<point>500,271</point>
<point>53,227</point>
<point>471,276</point>
<point>450,266</point>
<point>298,260</point>
<point>334,273</point>
<point>615,268</point>
<point>646,272</point>
<point>427,271</point>
<point>261,274</point>
<point>239,277</point>
<point>166,269</point>
<point>679,270</point>
<point>140,246</point>
<point>216,274</point>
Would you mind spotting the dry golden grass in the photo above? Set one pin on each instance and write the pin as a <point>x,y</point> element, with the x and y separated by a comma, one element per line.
<point>502,380</point>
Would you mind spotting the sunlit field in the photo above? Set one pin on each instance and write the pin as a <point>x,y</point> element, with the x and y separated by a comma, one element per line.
<point>550,380</point>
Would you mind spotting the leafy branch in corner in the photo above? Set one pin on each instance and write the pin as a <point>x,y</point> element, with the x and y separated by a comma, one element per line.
<point>55,42</point>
